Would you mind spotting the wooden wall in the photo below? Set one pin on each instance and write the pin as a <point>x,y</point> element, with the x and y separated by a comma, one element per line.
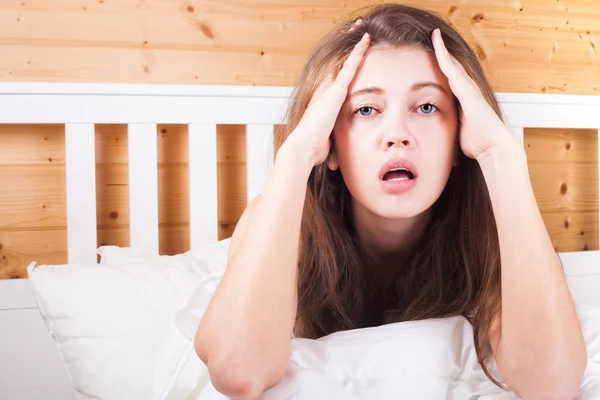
<point>526,45</point>
<point>530,46</point>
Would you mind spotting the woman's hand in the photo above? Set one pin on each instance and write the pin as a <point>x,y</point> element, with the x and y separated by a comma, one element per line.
<point>481,130</point>
<point>312,133</point>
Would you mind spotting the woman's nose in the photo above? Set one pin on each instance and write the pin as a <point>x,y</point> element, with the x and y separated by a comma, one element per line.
<point>397,135</point>
<point>404,142</point>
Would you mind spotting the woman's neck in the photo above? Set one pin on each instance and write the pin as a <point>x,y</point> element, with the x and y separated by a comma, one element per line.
<point>389,243</point>
<point>388,240</point>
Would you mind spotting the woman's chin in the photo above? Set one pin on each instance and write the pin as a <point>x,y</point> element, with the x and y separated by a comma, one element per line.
<point>400,211</point>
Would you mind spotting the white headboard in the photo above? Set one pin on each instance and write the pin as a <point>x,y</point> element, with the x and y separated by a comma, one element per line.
<point>141,107</point>
<point>80,106</point>
<point>202,108</point>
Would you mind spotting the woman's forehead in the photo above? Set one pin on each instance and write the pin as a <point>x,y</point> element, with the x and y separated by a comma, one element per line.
<point>397,69</point>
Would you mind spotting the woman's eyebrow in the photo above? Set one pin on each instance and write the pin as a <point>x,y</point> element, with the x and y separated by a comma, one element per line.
<point>420,85</point>
<point>372,89</point>
<point>415,87</point>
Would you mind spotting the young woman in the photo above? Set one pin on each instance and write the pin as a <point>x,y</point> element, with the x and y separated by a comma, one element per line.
<point>397,194</point>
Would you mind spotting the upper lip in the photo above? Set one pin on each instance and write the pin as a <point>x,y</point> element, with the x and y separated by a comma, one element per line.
<point>397,163</point>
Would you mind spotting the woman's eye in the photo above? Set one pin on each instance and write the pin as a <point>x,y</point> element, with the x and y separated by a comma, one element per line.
<point>427,108</point>
<point>365,111</point>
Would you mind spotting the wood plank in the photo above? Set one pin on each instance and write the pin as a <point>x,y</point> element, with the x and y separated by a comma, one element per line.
<point>32,196</point>
<point>173,192</point>
<point>173,175</point>
<point>174,239</point>
<point>572,231</point>
<point>111,144</point>
<point>19,248</point>
<point>231,176</point>
<point>84,64</point>
<point>231,143</point>
<point>167,25</point>
<point>563,166</point>
<point>565,187</point>
<point>112,194</point>
<point>32,144</point>
<point>525,47</point>
<point>30,209</point>
<point>562,145</point>
<point>33,176</point>
<point>116,235</point>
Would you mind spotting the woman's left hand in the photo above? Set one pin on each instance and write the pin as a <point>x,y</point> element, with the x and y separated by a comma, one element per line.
<point>481,130</point>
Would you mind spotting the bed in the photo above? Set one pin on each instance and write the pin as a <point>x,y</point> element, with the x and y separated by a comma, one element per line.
<point>32,366</point>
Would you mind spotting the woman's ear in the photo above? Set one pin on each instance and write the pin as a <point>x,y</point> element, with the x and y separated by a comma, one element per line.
<point>332,163</point>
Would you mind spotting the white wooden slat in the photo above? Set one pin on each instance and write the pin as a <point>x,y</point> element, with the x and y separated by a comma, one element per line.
<point>143,187</point>
<point>145,89</point>
<point>202,144</point>
<point>80,166</point>
<point>259,158</point>
<point>123,109</point>
<point>599,191</point>
<point>572,116</point>
<point>518,132</point>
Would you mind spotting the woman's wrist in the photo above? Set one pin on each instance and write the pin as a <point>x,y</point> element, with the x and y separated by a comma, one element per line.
<point>294,154</point>
<point>507,153</point>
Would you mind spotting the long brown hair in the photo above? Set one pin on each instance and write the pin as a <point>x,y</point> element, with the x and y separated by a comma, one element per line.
<point>454,269</point>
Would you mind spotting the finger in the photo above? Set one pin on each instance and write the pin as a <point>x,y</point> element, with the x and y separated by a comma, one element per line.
<point>357,24</point>
<point>323,86</point>
<point>352,62</point>
<point>459,80</point>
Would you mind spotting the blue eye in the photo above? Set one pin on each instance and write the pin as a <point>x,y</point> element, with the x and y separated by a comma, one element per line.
<point>427,108</point>
<point>365,111</point>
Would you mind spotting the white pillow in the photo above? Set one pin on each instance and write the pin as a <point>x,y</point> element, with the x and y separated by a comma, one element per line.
<point>110,321</point>
<point>428,359</point>
<point>213,256</point>
<point>179,373</point>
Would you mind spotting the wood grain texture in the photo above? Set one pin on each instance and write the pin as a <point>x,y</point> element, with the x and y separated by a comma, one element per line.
<point>531,46</point>
<point>19,248</point>
<point>33,190</point>
<point>526,46</point>
<point>563,166</point>
<point>33,214</point>
<point>231,176</point>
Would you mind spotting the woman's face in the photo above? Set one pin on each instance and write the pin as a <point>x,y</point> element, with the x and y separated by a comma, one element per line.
<point>395,137</point>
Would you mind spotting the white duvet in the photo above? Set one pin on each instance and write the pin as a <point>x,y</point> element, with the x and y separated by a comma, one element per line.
<point>431,359</point>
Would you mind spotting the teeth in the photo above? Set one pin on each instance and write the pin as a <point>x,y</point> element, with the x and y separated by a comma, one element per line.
<point>399,169</point>
<point>404,178</point>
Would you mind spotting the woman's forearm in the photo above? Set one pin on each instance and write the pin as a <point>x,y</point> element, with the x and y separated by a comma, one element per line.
<point>541,347</point>
<point>248,324</point>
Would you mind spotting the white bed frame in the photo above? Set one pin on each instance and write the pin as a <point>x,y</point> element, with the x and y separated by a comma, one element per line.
<point>30,367</point>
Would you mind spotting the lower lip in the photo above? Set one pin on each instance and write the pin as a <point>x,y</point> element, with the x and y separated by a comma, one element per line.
<point>395,187</point>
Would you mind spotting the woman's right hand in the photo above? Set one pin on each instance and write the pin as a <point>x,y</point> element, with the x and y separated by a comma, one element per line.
<point>312,132</point>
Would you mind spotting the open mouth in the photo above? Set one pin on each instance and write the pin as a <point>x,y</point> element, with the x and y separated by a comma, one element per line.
<point>398,174</point>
